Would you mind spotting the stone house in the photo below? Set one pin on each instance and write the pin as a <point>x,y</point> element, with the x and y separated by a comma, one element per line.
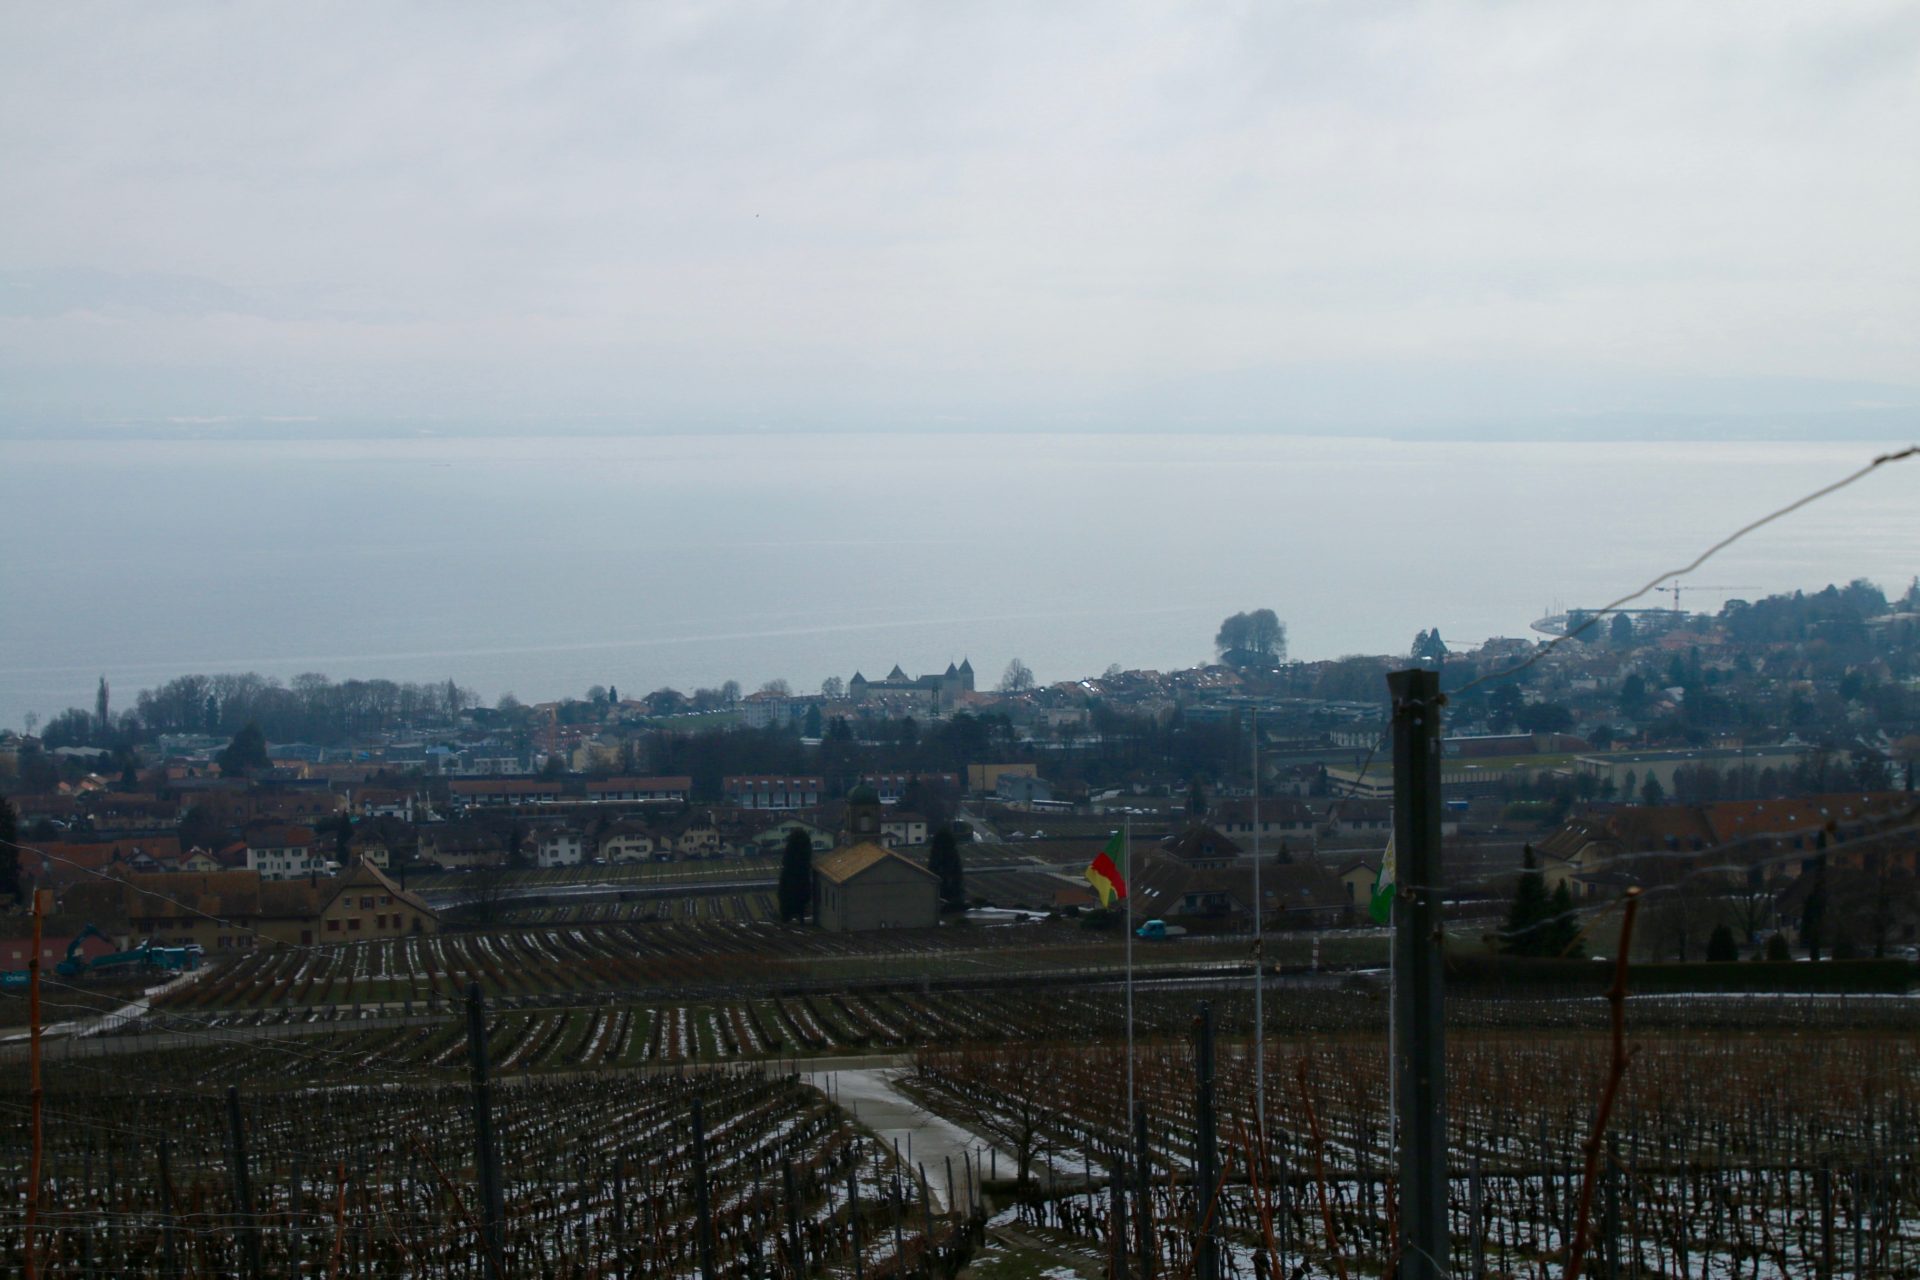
<point>869,886</point>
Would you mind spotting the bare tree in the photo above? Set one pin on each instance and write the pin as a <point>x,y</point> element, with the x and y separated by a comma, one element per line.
<point>1018,677</point>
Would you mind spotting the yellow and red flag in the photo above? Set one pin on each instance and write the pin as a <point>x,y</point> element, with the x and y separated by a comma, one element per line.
<point>1104,872</point>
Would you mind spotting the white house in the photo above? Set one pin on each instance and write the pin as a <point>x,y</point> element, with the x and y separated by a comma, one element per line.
<point>559,847</point>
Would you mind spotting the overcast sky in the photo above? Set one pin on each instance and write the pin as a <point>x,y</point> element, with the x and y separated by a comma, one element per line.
<point>935,214</point>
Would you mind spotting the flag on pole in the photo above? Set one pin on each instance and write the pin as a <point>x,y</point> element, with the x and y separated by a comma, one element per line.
<point>1104,872</point>
<point>1380,906</point>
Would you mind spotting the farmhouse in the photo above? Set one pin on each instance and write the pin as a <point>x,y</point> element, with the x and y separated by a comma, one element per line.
<point>239,910</point>
<point>870,886</point>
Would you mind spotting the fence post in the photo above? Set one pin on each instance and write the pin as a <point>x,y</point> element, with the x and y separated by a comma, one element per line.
<point>1117,1218</point>
<point>1418,924</point>
<point>703,1208</point>
<point>485,1157</point>
<point>249,1232</point>
<point>796,1261</point>
<point>1206,1254</point>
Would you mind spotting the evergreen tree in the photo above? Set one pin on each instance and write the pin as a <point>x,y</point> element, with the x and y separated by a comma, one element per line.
<point>1777,950</point>
<point>1523,935</point>
<point>9,855</point>
<point>1721,947</point>
<point>943,859</point>
<point>796,875</point>
<point>1562,929</point>
<point>247,751</point>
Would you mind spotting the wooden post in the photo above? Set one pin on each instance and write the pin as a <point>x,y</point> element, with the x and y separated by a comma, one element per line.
<point>242,1187</point>
<point>1206,1251</point>
<point>702,1205</point>
<point>169,1257</point>
<point>1418,929</point>
<point>796,1261</point>
<point>486,1157</point>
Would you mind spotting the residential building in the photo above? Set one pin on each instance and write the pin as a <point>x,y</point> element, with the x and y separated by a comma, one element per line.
<point>768,791</point>
<point>640,790</point>
<point>284,852</point>
<point>559,846</point>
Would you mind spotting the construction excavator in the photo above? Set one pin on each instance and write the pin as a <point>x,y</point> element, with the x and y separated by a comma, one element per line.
<point>146,958</point>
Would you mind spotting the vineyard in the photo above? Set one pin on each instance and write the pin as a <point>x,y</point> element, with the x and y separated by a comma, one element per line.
<point>602,1178</point>
<point>600,957</point>
<point>1734,1153</point>
<point>1730,1156</point>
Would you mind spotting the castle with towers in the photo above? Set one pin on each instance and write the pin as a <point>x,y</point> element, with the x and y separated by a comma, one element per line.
<point>939,692</point>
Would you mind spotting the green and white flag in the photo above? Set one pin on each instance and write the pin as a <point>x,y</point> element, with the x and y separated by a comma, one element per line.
<point>1381,905</point>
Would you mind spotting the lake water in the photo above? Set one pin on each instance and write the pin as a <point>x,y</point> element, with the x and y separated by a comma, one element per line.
<point>543,566</point>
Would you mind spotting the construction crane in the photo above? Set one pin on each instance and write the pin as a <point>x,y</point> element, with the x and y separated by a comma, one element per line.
<point>1676,588</point>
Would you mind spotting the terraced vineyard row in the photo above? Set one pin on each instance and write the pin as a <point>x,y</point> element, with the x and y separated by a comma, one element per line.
<point>1728,1154</point>
<point>599,1178</point>
<point>591,956</point>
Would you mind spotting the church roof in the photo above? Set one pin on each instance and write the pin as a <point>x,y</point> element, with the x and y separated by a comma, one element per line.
<point>843,865</point>
<point>896,673</point>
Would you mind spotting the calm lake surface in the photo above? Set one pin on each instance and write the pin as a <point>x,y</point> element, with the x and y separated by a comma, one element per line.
<point>543,566</point>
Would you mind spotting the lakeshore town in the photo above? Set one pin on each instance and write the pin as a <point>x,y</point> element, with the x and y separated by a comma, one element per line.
<point>1756,764</point>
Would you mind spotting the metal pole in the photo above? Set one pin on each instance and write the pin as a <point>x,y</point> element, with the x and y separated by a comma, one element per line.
<point>1143,1189</point>
<point>41,898</point>
<point>1259,958</point>
<point>486,1159</point>
<point>1418,930</point>
<point>1206,1253</point>
<point>242,1188</point>
<point>1126,853</point>
<point>1117,1216</point>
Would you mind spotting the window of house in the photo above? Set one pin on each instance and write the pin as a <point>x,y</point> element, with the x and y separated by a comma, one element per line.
<point>353,925</point>
<point>333,926</point>
<point>386,899</point>
<point>366,903</point>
